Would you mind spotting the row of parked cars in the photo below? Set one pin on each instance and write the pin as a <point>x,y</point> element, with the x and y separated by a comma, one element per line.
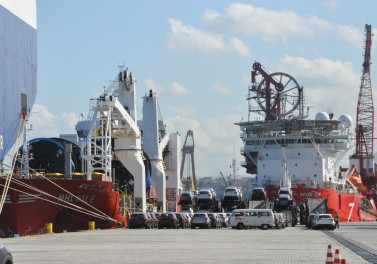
<point>178,220</point>
<point>320,221</point>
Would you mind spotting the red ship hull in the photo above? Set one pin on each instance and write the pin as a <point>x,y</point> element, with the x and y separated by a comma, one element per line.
<point>26,211</point>
<point>351,207</point>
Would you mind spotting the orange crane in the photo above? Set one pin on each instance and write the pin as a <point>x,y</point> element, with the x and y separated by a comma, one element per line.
<point>188,149</point>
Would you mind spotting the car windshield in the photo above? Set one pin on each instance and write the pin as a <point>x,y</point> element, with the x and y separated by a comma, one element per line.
<point>284,192</point>
<point>325,216</point>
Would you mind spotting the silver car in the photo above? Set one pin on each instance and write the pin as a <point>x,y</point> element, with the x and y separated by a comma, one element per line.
<point>200,220</point>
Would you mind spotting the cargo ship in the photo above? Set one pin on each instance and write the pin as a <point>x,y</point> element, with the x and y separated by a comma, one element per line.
<point>26,204</point>
<point>93,176</point>
<point>284,148</point>
<point>18,74</point>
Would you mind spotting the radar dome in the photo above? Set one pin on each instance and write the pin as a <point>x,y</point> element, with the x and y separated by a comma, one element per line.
<point>346,120</point>
<point>322,116</point>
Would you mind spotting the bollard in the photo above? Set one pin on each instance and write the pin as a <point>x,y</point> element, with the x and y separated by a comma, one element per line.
<point>48,227</point>
<point>91,225</point>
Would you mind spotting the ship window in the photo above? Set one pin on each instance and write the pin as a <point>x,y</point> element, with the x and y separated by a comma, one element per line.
<point>296,164</point>
<point>263,165</point>
<point>315,164</point>
<point>315,175</point>
<point>299,153</point>
<point>266,154</point>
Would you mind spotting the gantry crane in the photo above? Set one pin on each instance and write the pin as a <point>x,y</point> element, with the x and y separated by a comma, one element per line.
<point>364,152</point>
<point>188,149</point>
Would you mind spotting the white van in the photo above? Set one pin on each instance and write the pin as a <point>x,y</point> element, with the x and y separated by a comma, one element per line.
<point>263,218</point>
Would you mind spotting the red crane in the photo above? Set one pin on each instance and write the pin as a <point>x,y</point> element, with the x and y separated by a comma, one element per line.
<point>188,149</point>
<point>365,114</point>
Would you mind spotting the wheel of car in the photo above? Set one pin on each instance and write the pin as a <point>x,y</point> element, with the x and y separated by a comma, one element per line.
<point>240,226</point>
<point>264,226</point>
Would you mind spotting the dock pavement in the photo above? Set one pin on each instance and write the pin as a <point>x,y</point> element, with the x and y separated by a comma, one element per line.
<point>357,243</point>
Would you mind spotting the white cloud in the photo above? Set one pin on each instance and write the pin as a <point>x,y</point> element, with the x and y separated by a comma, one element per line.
<point>187,37</point>
<point>331,4</point>
<point>325,81</point>
<point>222,89</point>
<point>153,85</point>
<point>178,89</point>
<point>47,124</point>
<point>273,25</point>
<point>216,140</point>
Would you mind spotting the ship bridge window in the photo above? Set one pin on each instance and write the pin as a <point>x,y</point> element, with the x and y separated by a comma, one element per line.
<point>289,141</point>
<point>253,142</point>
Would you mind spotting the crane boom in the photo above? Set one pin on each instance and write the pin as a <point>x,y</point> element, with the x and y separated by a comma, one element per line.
<point>189,149</point>
<point>365,114</point>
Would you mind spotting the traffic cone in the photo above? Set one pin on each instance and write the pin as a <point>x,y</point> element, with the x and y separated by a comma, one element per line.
<point>329,256</point>
<point>337,259</point>
<point>344,261</point>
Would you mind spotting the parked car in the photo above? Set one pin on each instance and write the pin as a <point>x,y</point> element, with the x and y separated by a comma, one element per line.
<point>262,218</point>
<point>324,221</point>
<point>215,220</point>
<point>224,219</point>
<point>258,194</point>
<point>188,197</point>
<point>312,222</point>
<point>153,219</point>
<point>5,255</point>
<point>284,201</point>
<point>168,220</point>
<point>139,220</point>
<point>232,194</point>
<point>200,220</point>
<point>183,220</point>
<point>280,221</point>
<point>207,194</point>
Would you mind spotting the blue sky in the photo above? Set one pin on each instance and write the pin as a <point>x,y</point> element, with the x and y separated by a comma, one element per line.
<point>197,56</point>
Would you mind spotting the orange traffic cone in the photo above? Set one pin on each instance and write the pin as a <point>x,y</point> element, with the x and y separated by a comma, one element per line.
<point>344,261</point>
<point>329,256</point>
<point>337,259</point>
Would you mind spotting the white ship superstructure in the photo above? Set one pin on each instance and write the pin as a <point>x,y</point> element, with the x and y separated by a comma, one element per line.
<point>112,129</point>
<point>281,145</point>
<point>300,151</point>
<point>18,71</point>
<point>155,140</point>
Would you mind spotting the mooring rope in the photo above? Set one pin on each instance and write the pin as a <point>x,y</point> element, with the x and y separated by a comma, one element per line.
<point>21,123</point>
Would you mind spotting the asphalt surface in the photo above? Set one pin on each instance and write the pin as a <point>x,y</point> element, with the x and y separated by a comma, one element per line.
<point>356,241</point>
